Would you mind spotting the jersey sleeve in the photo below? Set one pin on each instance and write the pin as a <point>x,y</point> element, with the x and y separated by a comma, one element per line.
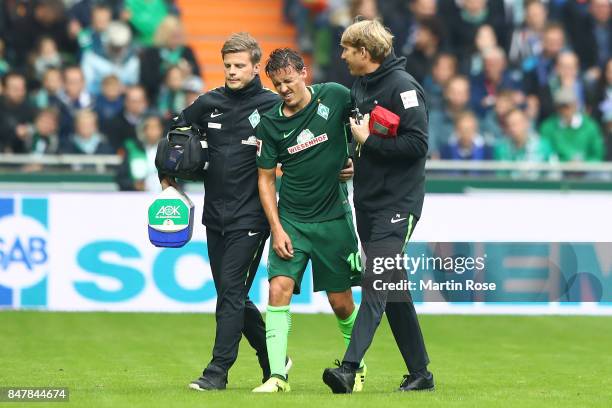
<point>267,152</point>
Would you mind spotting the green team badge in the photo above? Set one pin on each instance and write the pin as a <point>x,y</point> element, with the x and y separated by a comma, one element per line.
<point>323,111</point>
<point>305,136</point>
<point>169,213</point>
<point>254,118</point>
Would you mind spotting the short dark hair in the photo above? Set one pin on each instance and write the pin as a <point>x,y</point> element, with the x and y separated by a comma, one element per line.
<point>242,42</point>
<point>282,58</point>
<point>434,26</point>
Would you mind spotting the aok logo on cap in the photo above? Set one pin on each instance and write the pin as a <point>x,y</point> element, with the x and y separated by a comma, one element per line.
<point>173,210</point>
<point>168,211</point>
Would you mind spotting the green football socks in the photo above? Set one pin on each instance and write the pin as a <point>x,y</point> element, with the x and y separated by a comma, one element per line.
<point>346,328</point>
<point>278,324</point>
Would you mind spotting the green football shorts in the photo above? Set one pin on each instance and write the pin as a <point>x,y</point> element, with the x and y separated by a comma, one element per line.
<point>331,245</point>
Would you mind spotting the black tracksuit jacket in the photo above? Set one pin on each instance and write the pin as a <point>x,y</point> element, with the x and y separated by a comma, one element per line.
<point>229,119</point>
<point>390,173</point>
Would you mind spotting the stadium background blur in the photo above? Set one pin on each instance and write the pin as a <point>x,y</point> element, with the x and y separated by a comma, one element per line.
<point>104,77</point>
<point>88,88</point>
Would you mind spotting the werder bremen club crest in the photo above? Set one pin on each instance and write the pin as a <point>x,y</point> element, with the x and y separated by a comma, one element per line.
<point>305,136</point>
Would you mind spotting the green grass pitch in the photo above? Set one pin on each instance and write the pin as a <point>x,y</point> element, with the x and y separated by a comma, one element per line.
<point>147,360</point>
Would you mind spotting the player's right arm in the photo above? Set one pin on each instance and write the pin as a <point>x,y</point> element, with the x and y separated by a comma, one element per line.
<point>267,160</point>
<point>281,243</point>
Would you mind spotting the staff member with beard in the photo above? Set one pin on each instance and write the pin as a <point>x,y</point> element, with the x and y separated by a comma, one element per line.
<point>389,186</point>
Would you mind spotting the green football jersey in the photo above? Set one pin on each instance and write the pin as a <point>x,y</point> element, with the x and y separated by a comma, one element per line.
<point>311,146</point>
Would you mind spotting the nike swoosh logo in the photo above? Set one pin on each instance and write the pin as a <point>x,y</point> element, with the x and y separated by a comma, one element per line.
<point>286,135</point>
<point>212,115</point>
<point>252,234</point>
<point>396,220</point>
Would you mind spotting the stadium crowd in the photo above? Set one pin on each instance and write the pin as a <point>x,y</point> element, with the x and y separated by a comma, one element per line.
<point>506,80</point>
<point>94,77</point>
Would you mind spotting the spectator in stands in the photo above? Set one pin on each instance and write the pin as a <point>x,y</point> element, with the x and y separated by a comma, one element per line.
<point>495,77</point>
<point>599,97</point>
<point>566,74</point>
<point>442,122</point>
<point>556,8</point>
<point>123,126</point>
<point>90,37</point>
<point>4,64</point>
<point>47,56</point>
<point>73,97</point>
<point>16,114</point>
<point>607,120</point>
<point>539,69</point>
<point>193,88</point>
<point>172,95</point>
<point>526,42</point>
<point>466,143</point>
<point>405,22</point>
<point>485,40</point>
<point>334,67</point>
<point>514,13</point>
<point>86,138</point>
<point>572,135</point>
<point>109,103</point>
<point>138,172</point>
<point>145,16</point>
<point>47,19</point>
<point>444,68</point>
<point>45,139</point>
<point>170,50</point>
<point>471,15</point>
<point>520,143</point>
<point>117,57</point>
<point>80,11</point>
<point>591,35</point>
<point>494,122</point>
<point>420,12</point>
<point>49,94</point>
<point>427,45</point>
<point>296,13</point>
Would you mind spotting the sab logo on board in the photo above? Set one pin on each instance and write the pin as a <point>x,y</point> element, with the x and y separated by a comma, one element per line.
<point>24,257</point>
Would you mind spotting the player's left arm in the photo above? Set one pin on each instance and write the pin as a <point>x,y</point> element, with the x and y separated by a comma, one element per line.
<point>411,139</point>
